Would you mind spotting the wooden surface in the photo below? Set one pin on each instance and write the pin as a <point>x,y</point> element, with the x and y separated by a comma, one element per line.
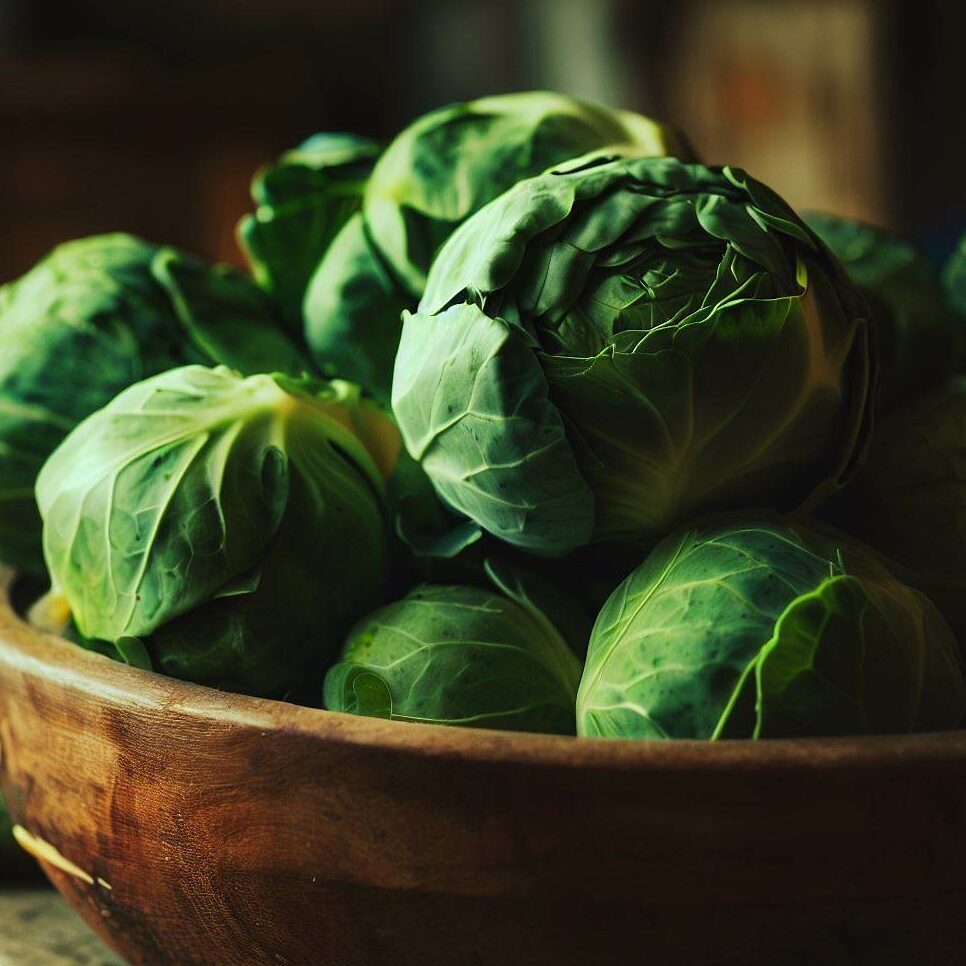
<point>37,928</point>
<point>215,829</point>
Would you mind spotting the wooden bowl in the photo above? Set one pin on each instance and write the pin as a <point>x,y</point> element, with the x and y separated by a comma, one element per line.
<point>194,827</point>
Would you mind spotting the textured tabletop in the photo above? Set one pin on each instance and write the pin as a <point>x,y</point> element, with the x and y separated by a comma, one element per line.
<point>38,929</point>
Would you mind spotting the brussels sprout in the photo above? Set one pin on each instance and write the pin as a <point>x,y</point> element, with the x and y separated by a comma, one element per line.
<point>909,502</point>
<point>302,202</point>
<point>918,337</point>
<point>460,655</point>
<point>434,175</point>
<point>617,346</point>
<point>954,277</point>
<point>767,629</point>
<point>94,317</point>
<point>229,531</point>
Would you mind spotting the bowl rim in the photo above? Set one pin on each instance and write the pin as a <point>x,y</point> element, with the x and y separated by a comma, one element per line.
<point>34,653</point>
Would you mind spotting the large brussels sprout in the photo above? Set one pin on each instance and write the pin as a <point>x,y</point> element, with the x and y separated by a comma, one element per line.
<point>303,200</point>
<point>918,337</point>
<point>909,501</point>
<point>229,530</point>
<point>767,629</point>
<point>93,317</point>
<point>617,346</point>
<point>463,655</point>
<point>433,176</point>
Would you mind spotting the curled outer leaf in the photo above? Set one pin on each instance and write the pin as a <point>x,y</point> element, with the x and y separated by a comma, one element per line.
<point>435,174</point>
<point>303,200</point>
<point>460,374</point>
<point>227,319</point>
<point>814,677</point>
<point>701,348</point>
<point>200,511</point>
<point>764,629</point>
<point>460,655</point>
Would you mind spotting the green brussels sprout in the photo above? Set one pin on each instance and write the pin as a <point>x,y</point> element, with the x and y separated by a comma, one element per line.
<point>765,629</point>
<point>302,201</point>
<point>617,346</point>
<point>434,175</point>
<point>909,501</point>
<point>223,530</point>
<point>954,278</point>
<point>93,317</point>
<point>918,337</point>
<point>462,655</point>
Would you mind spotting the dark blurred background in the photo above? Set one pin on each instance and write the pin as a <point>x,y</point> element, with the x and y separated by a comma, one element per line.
<point>151,117</point>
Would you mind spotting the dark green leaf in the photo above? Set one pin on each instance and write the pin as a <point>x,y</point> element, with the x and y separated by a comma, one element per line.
<point>303,201</point>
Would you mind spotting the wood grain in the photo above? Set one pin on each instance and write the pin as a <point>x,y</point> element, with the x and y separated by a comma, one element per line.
<point>219,829</point>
